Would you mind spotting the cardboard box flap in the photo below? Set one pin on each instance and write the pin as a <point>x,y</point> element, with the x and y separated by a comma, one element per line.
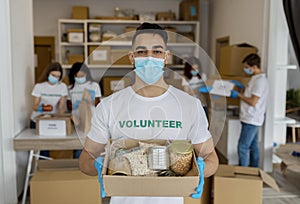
<point>267,179</point>
<point>246,170</point>
<point>245,45</point>
<point>225,171</point>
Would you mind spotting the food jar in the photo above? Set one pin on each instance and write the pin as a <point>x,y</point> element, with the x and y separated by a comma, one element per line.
<point>181,154</point>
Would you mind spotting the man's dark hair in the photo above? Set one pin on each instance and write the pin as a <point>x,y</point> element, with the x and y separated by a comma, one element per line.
<point>252,59</point>
<point>150,28</point>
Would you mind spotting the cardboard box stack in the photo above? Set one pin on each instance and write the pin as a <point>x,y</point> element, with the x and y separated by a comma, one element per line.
<point>231,66</point>
<point>111,84</point>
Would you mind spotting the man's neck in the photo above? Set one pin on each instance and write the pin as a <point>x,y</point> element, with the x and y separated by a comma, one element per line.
<point>154,90</point>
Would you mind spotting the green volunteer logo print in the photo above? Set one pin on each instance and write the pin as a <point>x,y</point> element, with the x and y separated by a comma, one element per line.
<point>150,124</point>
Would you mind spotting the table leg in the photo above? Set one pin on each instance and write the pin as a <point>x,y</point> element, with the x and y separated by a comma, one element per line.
<point>27,176</point>
<point>294,134</point>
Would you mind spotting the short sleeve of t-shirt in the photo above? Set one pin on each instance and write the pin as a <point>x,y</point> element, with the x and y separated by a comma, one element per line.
<point>64,89</point>
<point>97,89</point>
<point>259,87</point>
<point>199,132</point>
<point>36,90</point>
<point>184,82</point>
<point>99,131</point>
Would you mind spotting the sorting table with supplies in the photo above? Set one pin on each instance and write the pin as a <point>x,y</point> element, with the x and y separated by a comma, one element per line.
<point>27,140</point>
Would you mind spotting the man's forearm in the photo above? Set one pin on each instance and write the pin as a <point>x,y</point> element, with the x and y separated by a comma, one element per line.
<point>86,164</point>
<point>211,164</point>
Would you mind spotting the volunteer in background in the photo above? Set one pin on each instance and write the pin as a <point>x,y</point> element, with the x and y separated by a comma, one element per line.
<point>49,95</point>
<point>149,98</point>
<point>252,111</point>
<point>80,79</point>
<point>194,79</point>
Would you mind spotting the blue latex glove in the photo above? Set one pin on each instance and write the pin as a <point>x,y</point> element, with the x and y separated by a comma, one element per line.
<point>92,93</point>
<point>76,104</point>
<point>234,94</point>
<point>205,89</point>
<point>40,108</point>
<point>237,83</point>
<point>199,189</point>
<point>99,165</point>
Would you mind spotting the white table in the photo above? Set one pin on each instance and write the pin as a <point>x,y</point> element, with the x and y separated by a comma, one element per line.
<point>27,140</point>
<point>294,126</point>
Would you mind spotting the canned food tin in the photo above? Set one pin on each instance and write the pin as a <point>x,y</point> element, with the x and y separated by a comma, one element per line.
<point>181,153</point>
<point>158,158</point>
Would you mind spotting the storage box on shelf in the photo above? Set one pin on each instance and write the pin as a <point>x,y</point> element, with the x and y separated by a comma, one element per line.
<point>90,29</point>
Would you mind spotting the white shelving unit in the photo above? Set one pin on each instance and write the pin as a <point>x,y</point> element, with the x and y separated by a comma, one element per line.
<point>177,48</point>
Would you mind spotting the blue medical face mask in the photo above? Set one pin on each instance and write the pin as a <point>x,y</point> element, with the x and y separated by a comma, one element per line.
<point>149,69</point>
<point>52,79</point>
<point>80,80</point>
<point>248,71</point>
<point>194,72</point>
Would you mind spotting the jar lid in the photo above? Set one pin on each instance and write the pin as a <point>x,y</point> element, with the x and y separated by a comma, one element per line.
<point>181,147</point>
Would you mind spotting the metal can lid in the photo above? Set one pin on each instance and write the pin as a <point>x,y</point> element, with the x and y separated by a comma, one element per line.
<point>181,147</point>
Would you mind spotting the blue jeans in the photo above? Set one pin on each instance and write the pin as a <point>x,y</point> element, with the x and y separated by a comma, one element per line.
<point>248,144</point>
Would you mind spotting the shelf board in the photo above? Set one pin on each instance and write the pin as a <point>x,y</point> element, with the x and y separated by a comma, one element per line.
<point>71,44</point>
<point>107,66</point>
<point>128,43</point>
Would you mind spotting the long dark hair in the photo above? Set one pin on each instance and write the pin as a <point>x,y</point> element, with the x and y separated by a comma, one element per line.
<point>76,67</point>
<point>188,67</point>
<point>55,66</point>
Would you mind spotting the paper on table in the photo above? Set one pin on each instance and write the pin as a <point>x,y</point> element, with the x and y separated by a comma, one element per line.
<point>221,88</point>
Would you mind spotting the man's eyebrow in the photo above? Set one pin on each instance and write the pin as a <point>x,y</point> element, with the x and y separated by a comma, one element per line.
<point>157,46</point>
<point>141,47</point>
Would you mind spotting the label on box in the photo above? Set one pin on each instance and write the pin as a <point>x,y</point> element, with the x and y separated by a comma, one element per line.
<point>52,128</point>
<point>116,85</point>
<point>221,88</point>
<point>99,55</point>
<point>75,37</point>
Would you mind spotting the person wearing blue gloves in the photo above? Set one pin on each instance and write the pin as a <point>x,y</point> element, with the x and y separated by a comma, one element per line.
<point>80,79</point>
<point>149,98</point>
<point>49,95</point>
<point>252,110</point>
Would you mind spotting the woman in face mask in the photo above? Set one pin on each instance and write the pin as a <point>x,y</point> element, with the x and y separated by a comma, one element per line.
<point>194,79</point>
<point>49,95</point>
<point>80,78</point>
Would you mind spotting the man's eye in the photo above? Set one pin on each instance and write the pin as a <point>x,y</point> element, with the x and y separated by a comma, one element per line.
<point>141,52</point>
<point>157,52</point>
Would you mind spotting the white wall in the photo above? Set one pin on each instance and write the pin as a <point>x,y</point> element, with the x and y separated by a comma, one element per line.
<point>23,74</point>
<point>294,74</point>
<point>242,20</point>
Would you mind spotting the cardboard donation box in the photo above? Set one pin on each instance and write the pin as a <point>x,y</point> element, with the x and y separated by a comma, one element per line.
<point>236,185</point>
<point>80,12</point>
<point>148,185</point>
<point>111,84</point>
<point>72,58</point>
<point>61,182</point>
<point>75,35</point>
<point>120,57</point>
<point>99,55</point>
<point>231,58</point>
<point>189,10</point>
<point>54,125</point>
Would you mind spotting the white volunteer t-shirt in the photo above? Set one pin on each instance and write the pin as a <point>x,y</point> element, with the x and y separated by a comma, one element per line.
<point>49,94</point>
<point>258,86</point>
<point>174,115</point>
<point>76,92</point>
